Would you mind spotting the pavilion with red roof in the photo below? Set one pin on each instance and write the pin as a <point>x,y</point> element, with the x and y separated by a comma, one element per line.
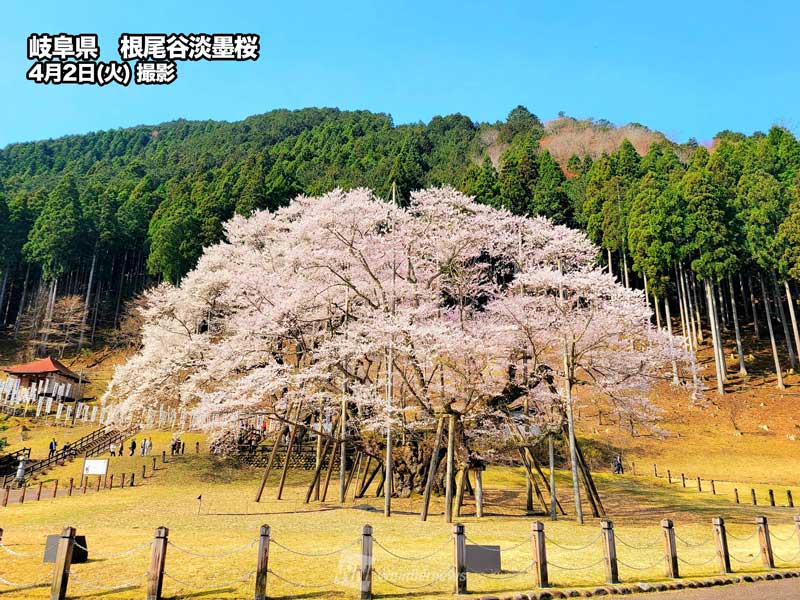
<point>50,370</point>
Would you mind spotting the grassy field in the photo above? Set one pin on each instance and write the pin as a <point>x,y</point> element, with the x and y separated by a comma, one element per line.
<point>119,520</point>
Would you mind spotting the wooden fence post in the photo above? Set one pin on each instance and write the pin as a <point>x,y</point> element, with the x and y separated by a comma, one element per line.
<point>764,542</point>
<point>122,483</point>
<point>6,492</point>
<point>670,549</point>
<point>71,483</point>
<point>111,481</point>
<point>479,492</point>
<point>262,565</point>
<point>99,482</point>
<point>771,498</point>
<point>144,470</point>
<point>539,555</point>
<point>154,464</point>
<point>197,447</point>
<point>24,491</point>
<point>721,540</point>
<point>133,475</point>
<point>610,551</point>
<point>669,476</point>
<point>683,480</point>
<point>459,559</point>
<point>789,499</point>
<point>699,485</point>
<point>39,490</point>
<point>85,484</point>
<point>63,561</point>
<point>713,487</point>
<point>55,488</point>
<point>655,470</point>
<point>736,494</point>
<point>753,496</point>
<point>163,456</point>
<point>366,563</point>
<point>155,574</point>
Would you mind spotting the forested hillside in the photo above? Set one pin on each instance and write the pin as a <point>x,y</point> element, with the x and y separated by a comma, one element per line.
<point>91,220</point>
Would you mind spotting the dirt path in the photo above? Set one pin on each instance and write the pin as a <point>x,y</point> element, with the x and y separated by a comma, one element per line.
<point>782,589</point>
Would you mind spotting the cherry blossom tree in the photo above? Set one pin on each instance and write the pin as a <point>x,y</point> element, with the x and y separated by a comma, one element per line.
<point>311,307</point>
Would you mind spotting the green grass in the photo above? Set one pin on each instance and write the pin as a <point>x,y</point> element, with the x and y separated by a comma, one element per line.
<point>120,519</point>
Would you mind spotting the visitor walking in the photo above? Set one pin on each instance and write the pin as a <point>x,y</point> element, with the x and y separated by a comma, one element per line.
<point>113,449</point>
<point>618,468</point>
<point>133,446</point>
<point>53,448</point>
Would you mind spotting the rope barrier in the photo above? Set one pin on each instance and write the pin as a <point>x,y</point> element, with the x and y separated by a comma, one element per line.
<point>634,546</point>
<point>514,547</point>
<point>103,588</point>
<point>411,558</point>
<point>697,564</point>
<point>19,554</point>
<point>313,554</point>
<point>782,539</point>
<point>742,539</point>
<point>785,560</point>
<point>116,555</point>
<point>691,544</point>
<point>744,562</point>
<point>444,574</point>
<point>644,568</point>
<point>193,584</point>
<point>507,576</point>
<point>23,585</point>
<point>220,555</point>
<point>574,548</point>
<point>550,563</point>
<point>300,585</point>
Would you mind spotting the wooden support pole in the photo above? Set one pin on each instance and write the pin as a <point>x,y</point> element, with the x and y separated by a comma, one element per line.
<point>318,469</point>
<point>63,561</point>
<point>764,542</point>
<point>771,498</point>
<point>655,470</point>
<point>39,490</point>
<point>426,496</point>
<point>459,559</point>
<point>366,562</point>
<point>713,487</point>
<point>540,578</point>
<point>736,495</point>
<point>197,447</point>
<point>163,456</point>
<point>158,557</point>
<point>789,500</point>
<point>6,493</point>
<point>85,483</point>
<point>153,468</point>
<point>721,541</point>
<point>353,472</point>
<point>329,472</point>
<point>69,489</point>
<point>262,565</point>
<point>683,480</point>
<point>670,550</point>
<point>669,476</point>
<point>122,482</point>
<point>699,485</point>
<point>144,471</point>
<point>610,551</point>
<point>448,480</point>
<point>460,492</point>
<point>753,496</point>
<point>288,454</point>
<point>479,492</point>
<point>111,481</point>
<point>133,476</point>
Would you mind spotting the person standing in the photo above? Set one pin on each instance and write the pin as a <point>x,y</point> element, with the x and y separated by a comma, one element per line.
<point>133,446</point>
<point>112,449</point>
<point>53,448</point>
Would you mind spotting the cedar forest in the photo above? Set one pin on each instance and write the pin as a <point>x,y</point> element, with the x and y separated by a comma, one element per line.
<point>90,221</point>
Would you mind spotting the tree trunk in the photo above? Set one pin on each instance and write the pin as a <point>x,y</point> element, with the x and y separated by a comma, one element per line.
<point>745,305</point>
<point>22,299</point>
<point>720,339</point>
<point>694,302</point>
<point>682,308</point>
<point>658,311</point>
<point>119,291</point>
<point>753,306</point>
<point>97,299</point>
<point>778,372</point>
<point>625,268</point>
<point>448,480</point>
<point>787,338</point>
<point>792,314</point>
<point>573,453</point>
<point>87,300</point>
<point>694,321</point>
<point>610,263</point>
<point>675,379</point>
<point>714,340</point>
<point>739,350</point>
<point>552,459</point>
<point>3,290</point>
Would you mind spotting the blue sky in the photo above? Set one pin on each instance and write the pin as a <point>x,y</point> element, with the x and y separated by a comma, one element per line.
<point>689,69</point>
